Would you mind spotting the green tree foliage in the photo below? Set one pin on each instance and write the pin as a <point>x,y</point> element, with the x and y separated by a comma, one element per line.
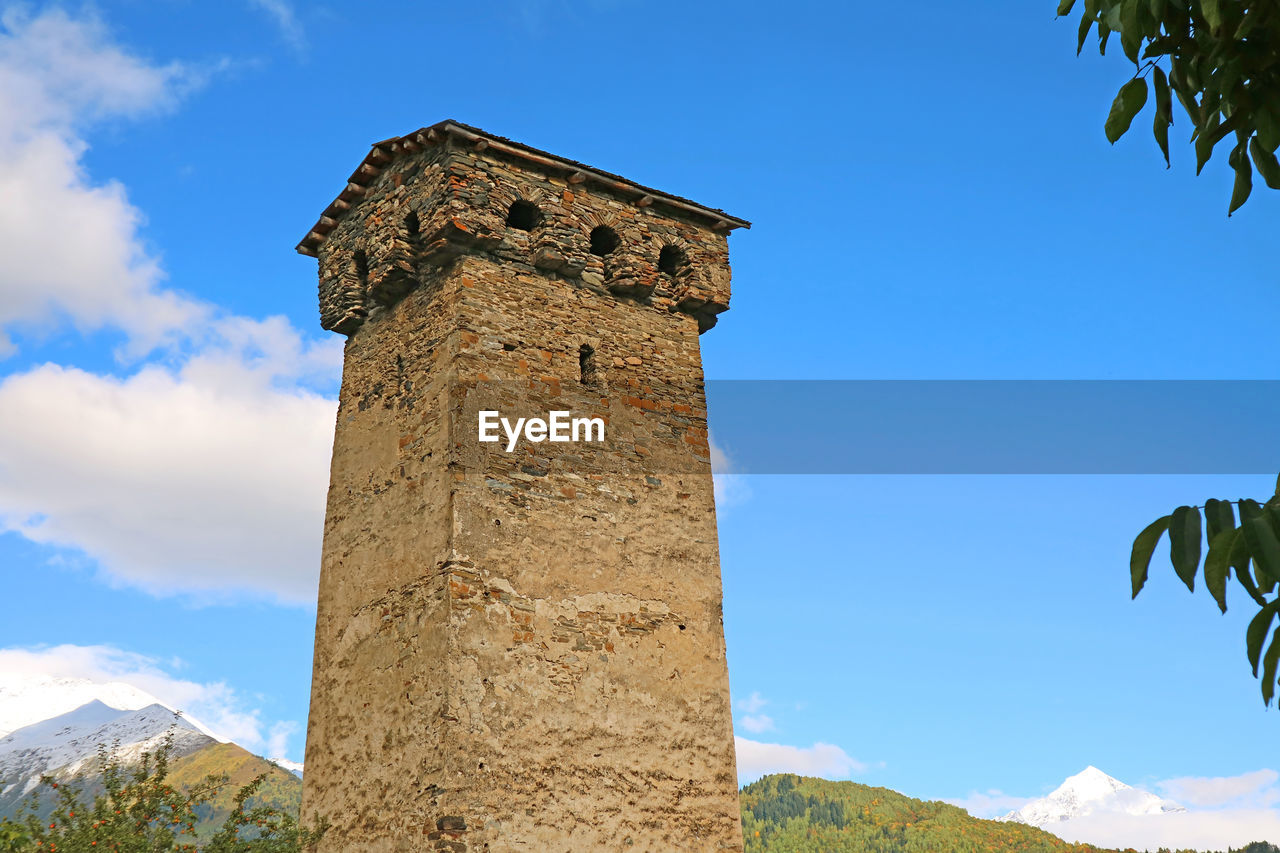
<point>1243,539</point>
<point>1219,58</point>
<point>13,838</point>
<point>140,811</point>
<point>799,814</point>
<point>279,788</point>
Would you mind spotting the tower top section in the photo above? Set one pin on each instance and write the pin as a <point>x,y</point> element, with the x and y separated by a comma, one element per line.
<point>421,202</point>
<point>385,153</point>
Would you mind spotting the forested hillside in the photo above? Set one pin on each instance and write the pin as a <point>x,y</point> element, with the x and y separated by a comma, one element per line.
<point>280,790</point>
<point>799,814</point>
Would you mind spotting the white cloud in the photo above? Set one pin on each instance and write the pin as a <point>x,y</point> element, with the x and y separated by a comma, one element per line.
<point>70,248</point>
<point>277,744</point>
<point>757,723</point>
<point>207,478</point>
<point>752,703</point>
<point>1257,788</point>
<point>1200,830</point>
<point>286,19</point>
<point>214,704</point>
<point>991,803</point>
<point>756,759</point>
<point>730,489</point>
<point>59,71</point>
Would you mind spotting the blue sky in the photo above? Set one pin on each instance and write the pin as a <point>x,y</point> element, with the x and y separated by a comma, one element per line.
<point>932,197</point>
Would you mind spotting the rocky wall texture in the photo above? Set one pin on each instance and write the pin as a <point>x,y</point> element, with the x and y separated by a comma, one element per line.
<point>524,650</point>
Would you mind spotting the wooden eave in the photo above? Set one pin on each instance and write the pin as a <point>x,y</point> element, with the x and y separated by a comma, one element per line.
<point>384,153</point>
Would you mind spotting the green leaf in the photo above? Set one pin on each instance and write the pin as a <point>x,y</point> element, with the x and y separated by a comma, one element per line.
<point>1064,7</point>
<point>1164,104</point>
<point>1164,112</point>
<point>1217,565</point>
<point>1184,544</point>
<point>1143,546</point>
<point>1269,668</point>
<point>1162,46</point>
<point>1246,24</point>
<point>1271,515</point>
<point>1130,29</point>
<point>1229,73</point>
<point>1161,131</point>
<point>1240,562</point>
<point>1257,632</point>
<point>1112,14</point>
<point>1264,546</point>
<point>1128,102</point>
<point>1268,167</point>
<point>1249,508</point>
<point>1086,24</point>
<point>1205,141</point>
<point>1218,517</point>
<point>1186,96</point>
<point>1158,9</point>
<point>1267,122</point>
<point>1104,33</point>
<point>1212,14</point>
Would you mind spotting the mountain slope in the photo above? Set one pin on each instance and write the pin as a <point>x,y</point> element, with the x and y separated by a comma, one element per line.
<point>1089,792</point>
<point>800,814</point>
<point>67,745</point>
<point>281,789</point>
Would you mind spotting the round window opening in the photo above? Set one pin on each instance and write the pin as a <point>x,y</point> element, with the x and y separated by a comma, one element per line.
<point>604,240</point>
<point>671,259</point>
<point>524,215</point>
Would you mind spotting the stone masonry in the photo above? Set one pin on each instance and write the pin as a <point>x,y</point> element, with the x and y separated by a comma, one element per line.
<point>519,651</point>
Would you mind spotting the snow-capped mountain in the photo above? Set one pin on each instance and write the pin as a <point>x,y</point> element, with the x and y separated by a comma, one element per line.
<point>294,767</point>
<point>1089,792</point>
<point>27,698</point>
<point>68,743</point>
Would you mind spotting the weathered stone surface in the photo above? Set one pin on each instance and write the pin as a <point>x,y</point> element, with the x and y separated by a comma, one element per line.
<point>460,199</point>
<point>518,651</point>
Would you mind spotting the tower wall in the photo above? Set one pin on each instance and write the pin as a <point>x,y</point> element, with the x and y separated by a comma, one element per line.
<point>524,650</point>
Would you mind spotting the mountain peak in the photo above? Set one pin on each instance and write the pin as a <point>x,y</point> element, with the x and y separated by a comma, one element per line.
<point>1092,783</point>
<point>27,698</point>
<point>1088,792</point>
<point>70,742</point>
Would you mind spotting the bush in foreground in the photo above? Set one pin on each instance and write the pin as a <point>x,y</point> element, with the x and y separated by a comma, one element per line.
<point>139,811</point>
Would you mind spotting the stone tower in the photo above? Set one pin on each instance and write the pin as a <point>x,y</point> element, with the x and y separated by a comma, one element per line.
<point>519,650</point>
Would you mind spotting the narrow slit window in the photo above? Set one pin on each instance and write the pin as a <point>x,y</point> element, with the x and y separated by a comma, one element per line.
<point>362,266</point>
<point>412,225</point>
<point>524,215</point>
<point>604,240</point>
<point>587,364</point>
